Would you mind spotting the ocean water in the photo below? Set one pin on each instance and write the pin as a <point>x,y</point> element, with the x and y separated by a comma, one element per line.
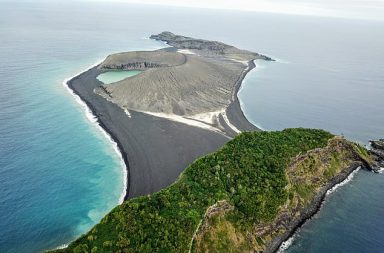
<point>59,174</point>
<point>330,76</point>
<point>351,219</point>
<point>115,76</point>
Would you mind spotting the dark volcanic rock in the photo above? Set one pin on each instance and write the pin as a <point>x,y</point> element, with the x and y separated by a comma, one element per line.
<point>377,150</point>
<point>205,47</point>
<point>378,144</point>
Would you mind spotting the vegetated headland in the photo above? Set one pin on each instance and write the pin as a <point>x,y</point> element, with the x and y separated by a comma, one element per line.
<point>251,194</point>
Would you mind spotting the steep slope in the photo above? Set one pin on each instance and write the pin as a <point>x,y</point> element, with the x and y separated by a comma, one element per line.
<point>142,60</point>
<point>248,196</point>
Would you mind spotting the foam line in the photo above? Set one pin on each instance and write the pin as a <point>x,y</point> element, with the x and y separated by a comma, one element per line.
<point>286,244</point>
<point>93,119</point>
<point>347,180</point>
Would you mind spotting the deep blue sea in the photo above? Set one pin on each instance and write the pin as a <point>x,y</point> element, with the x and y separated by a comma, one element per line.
<point>59,174</point>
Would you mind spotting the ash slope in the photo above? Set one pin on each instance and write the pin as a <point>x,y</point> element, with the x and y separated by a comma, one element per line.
<point>178,83</point>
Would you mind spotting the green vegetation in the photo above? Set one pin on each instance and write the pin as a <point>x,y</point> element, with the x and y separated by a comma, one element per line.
<point>248,172</point>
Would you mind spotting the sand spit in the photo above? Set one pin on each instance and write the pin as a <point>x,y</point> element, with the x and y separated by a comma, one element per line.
<point>208,120</point>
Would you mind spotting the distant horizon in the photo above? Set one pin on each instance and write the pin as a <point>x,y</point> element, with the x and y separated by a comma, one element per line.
<point>357,9</point>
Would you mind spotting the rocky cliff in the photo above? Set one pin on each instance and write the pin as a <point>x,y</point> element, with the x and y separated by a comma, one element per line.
<point>310,176</point>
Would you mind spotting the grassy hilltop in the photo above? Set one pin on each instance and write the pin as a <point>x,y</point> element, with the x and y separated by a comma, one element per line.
<point>241,198</point>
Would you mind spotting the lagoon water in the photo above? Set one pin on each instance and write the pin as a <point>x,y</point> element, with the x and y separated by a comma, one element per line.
<point>115,76</point>
<point>59,174</point>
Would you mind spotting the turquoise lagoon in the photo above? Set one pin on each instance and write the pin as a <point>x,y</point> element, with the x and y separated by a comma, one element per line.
<point>117,75</point>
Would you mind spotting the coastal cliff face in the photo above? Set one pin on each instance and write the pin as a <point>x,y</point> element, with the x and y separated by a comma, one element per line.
<point>249,196</point>
<point>309,177</point>
<point>201,80</point>
<point>142,60</point>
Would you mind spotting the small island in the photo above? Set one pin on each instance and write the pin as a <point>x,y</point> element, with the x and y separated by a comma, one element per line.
<point>182,105</point>
<point>201,178</point>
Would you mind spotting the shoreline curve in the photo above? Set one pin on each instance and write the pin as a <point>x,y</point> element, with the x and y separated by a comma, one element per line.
<point>89,113</point>
<point>282,243</point>
<point>348,177</point>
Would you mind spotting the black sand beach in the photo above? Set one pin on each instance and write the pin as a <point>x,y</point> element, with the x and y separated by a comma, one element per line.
<point>234,112</point>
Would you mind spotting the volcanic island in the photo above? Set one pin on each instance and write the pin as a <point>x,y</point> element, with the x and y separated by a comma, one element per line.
<point>201,177</point>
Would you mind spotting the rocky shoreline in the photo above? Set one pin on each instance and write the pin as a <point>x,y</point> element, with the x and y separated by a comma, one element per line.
<point>317,202</point>
<point>377,150</point>
<point>314,207</point>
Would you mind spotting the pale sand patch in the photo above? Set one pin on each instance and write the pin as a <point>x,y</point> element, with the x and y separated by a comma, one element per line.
<point>230,124</point>
<point>191,120</point>
<point>202,120</point>
<point>207,117</point>
<point>127,112</point>
<point>243,62</point>
<point>185,51</point>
